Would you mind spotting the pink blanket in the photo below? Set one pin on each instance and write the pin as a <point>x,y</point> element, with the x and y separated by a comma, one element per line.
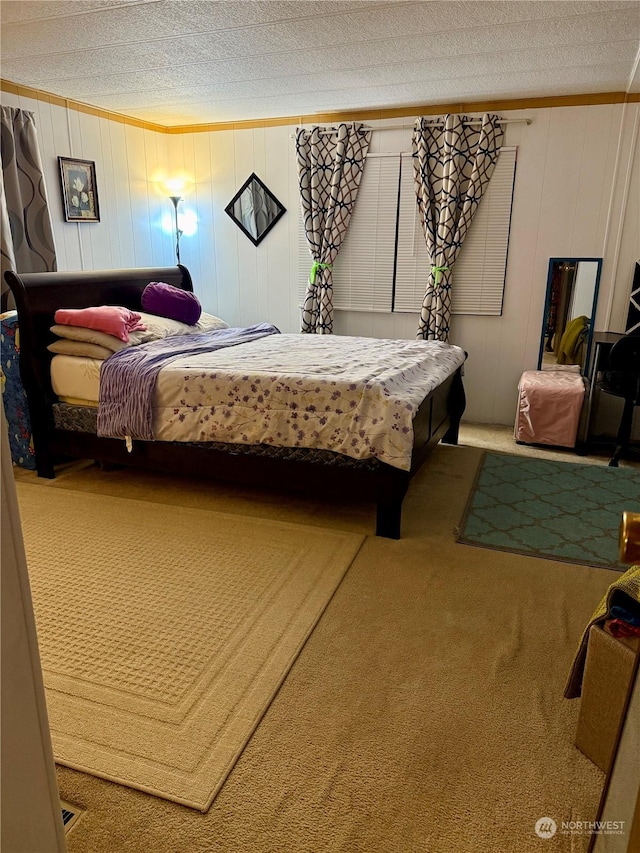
<point>111,319</point>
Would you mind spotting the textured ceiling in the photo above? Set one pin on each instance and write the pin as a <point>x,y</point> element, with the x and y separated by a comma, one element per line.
<point>198,61</point>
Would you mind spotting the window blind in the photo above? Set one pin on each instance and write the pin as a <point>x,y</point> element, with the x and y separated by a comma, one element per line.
<point>383,263</point>
<point>479,272</point>
<point>363,271</point>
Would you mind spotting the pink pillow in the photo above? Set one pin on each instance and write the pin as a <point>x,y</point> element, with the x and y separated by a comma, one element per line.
<point>165,300</point>
<point>111,319</point>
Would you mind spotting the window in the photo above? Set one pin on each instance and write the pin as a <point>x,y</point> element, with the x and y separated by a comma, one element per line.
<point>363,271</point>
<point>383,264</point>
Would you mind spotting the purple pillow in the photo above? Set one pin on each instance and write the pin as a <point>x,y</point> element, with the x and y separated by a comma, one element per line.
<point>165,300</point>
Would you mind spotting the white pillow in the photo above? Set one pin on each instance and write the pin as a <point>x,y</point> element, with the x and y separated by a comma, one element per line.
<point>163,327</point>
<point>209,323</point>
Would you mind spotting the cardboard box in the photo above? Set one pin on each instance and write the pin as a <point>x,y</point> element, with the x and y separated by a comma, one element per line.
<point>607,675</point>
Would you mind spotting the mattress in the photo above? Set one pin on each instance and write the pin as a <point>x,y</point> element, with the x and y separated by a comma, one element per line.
<point>76,379</point>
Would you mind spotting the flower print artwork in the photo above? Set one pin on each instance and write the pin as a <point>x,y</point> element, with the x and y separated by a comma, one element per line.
<point>79,192</point>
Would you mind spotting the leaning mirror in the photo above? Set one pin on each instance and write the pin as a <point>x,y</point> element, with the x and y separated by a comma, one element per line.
<point>569,311</point>
<point>255,209</point>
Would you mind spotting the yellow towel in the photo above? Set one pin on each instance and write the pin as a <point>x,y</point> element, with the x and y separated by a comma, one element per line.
<point>629,583</point>
<point>570,351</point>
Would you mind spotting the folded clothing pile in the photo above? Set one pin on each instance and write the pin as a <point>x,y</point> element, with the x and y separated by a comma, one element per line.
<point>624,618</point>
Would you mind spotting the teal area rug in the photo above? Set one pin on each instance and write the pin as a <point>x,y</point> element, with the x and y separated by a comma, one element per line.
<point>558,510</point>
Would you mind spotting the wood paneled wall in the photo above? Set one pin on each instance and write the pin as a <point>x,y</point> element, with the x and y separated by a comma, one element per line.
<point>576,194</point>
<point>127,158</point>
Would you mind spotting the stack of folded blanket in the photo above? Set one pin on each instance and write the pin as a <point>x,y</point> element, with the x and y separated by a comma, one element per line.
<point>95,332</point>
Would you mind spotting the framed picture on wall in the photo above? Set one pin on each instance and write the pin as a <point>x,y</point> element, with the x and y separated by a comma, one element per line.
<point>79,190</point>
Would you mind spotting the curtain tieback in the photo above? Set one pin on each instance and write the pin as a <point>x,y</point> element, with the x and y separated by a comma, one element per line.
<point>436,272</point>
<point>317,266</point>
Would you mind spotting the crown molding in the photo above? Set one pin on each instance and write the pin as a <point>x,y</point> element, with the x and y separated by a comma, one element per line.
<point>552,101</point>
<point>77,106</point>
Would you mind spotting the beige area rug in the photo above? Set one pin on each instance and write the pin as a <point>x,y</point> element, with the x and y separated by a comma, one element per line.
<point>165,632</point>
<point>425,713</point>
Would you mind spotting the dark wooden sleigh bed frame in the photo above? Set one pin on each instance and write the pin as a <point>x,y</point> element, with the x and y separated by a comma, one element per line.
<point>39,295</point>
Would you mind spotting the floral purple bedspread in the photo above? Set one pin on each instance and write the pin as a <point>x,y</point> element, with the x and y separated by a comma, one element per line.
<point>355,396</point>
<point>128,377</point>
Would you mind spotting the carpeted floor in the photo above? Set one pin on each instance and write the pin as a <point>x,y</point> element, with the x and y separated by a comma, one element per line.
<point>559,510</point>
<point>165,632</point>
<point>425,712</point>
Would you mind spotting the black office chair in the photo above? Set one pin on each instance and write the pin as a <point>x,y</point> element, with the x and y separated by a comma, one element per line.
<point>622,379</point>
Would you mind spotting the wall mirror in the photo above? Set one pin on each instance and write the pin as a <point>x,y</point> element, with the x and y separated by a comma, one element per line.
<point>569,311</point>
<point>255,209</point>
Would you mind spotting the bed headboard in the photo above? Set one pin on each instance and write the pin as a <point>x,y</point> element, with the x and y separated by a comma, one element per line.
<point>39,295</point>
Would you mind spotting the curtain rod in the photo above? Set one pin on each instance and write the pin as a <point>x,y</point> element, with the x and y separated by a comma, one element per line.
<point>330,132</point>
<point>378,154</point>
<point>471,121</point>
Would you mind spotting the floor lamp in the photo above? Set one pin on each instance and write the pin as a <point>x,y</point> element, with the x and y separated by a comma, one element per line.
<point>176,199</point>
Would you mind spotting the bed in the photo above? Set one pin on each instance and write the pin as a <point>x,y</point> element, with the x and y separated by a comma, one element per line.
<point>67,430</point>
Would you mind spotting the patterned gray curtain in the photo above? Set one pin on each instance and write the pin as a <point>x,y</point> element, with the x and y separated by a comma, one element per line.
<point>27,236</point>
<point>452,163</point>
<point>329,171</point>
